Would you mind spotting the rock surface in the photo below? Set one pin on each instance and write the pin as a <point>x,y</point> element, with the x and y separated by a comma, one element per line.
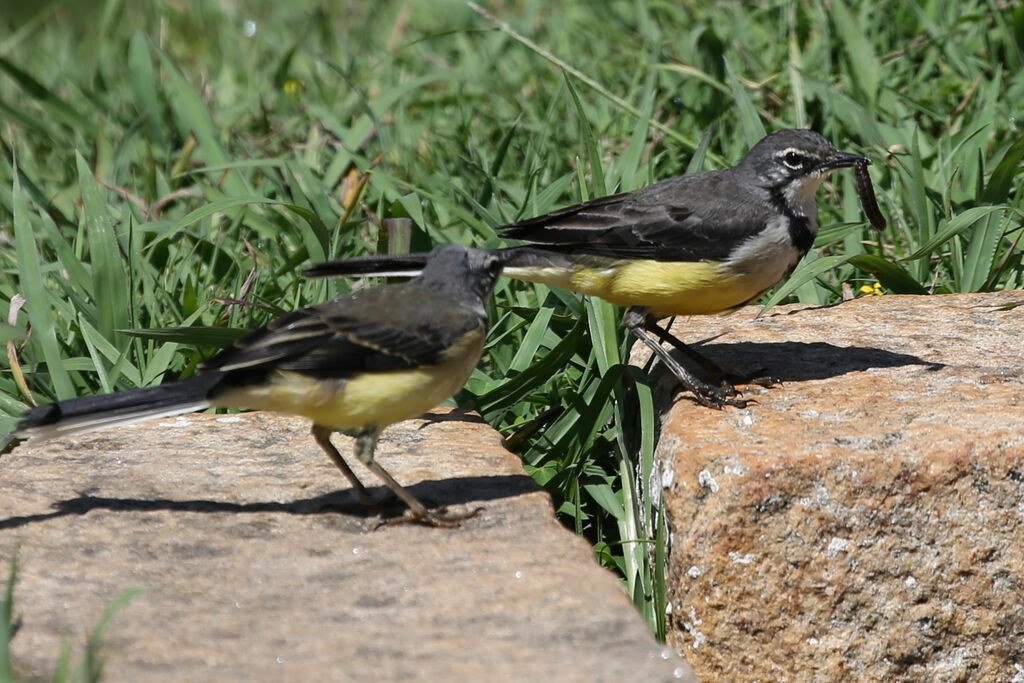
<point>865,519</point>
<point>221,520</point>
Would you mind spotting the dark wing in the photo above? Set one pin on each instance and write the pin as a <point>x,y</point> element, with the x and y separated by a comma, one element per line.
<point>682,219</point>
<point>378,330</point>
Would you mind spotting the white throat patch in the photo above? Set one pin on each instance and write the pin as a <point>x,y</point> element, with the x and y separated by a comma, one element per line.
<point>800,193</point>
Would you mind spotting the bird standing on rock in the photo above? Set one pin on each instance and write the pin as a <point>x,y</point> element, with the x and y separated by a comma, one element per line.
<point>355,364</point>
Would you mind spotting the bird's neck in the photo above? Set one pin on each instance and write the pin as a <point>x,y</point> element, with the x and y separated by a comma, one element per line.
<point>796,201</point>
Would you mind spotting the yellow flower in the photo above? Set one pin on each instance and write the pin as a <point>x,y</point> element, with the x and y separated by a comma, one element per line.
<point>871,290</point>
<point>292,86</point>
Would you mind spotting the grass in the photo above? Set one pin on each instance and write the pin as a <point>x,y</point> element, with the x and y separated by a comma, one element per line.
<point>164,173</point>
<point>87,669</point>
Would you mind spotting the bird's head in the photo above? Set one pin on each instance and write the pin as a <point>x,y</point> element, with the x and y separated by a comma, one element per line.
<point>461,271</point>
<point>794,163</point>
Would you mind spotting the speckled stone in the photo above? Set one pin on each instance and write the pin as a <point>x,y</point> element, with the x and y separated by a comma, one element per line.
<point>256,565</point>
<point>865,519</point>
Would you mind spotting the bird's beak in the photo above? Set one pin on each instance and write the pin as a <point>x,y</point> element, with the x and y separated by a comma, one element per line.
<point>843,160</point>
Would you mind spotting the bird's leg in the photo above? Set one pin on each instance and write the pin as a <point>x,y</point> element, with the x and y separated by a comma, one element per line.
<point>709,366</point>
<point>711,395</point>
<point>366,443</point>
<point>706,364</point>
<point>322,435</point>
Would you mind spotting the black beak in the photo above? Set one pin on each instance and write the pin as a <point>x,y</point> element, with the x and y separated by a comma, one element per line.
<point>843,160</point>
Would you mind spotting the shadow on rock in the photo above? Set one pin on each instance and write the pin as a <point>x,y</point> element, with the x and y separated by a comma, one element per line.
<point>799,361</point>
<point>455,415</point>
<point>454,491</point>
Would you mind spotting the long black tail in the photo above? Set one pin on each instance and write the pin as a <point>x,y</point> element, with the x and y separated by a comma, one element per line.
<point>398,265</point>
<point>123,407</point>
<point>518,261</point>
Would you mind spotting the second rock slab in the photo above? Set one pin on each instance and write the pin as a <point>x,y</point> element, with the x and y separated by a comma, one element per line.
<point>864,519</point>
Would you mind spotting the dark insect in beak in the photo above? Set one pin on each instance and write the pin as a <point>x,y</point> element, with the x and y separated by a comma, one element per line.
<point>867,195</point>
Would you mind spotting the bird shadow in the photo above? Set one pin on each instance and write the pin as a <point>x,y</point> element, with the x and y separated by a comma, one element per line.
<point>454,415</point>
<point>433,493</point>
<point>799,361</point>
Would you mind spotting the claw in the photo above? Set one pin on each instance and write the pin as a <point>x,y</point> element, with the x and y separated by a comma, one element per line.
<point>434,519</point>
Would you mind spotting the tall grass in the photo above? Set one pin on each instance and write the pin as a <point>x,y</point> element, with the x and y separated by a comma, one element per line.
<point>166,169</point>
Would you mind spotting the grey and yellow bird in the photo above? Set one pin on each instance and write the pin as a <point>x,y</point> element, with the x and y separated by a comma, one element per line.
<point>355,365</point>
<point>697,244</point>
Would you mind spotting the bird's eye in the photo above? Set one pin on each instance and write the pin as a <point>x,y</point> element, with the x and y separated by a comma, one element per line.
<point>793,159</point>
<point>494,265</point>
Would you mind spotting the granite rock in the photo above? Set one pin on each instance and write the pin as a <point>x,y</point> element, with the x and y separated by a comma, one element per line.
<point>256,564</point>
<point>864,520</point>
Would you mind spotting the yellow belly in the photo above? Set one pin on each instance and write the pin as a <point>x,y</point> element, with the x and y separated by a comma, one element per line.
<point>665,287</point>
<point>367,401</point>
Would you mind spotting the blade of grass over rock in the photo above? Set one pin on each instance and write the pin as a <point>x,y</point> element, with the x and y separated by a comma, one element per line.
<point>890,275</point>
<point>958,225</point>
<point>804,273</point>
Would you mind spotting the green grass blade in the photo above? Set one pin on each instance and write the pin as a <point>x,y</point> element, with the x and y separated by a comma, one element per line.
<point>804,273</point>
<point>597,188</point>
<point>981,252</point>
<point>144,81</point>
<point>57,107</point>
<point>7,621</point>
<point>603,322</point>
<point>530,345</point>
<point>998,188</point>
<point>93,660</point>
<point>216,337</point>
<point>37,298</point>
<point>750,122</point>
<point>796,76</point>
<point>109,278</point>
<point>889,274</point>
<point>696,163</point>
<point>629,165</point>
<point>193,117</point>
<point>492,404</point>
<point>864,65</point>
<point>959,225</point>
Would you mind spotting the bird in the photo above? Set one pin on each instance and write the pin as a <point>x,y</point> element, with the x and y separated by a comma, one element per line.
<point>695,244</point>
<point>354,364</point>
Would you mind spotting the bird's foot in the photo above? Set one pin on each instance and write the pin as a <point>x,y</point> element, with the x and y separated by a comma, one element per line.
<point>766,381</point>
<point>437,518</point>
<point>758,377</point>
<point>717,395</point>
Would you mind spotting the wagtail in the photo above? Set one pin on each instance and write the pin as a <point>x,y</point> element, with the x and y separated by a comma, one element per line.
<point>697,244</point>
<point>355,365</point>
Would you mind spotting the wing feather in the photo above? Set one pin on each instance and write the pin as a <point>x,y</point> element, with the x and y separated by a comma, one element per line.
<point>675,220</point>
<point>338,339</point>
